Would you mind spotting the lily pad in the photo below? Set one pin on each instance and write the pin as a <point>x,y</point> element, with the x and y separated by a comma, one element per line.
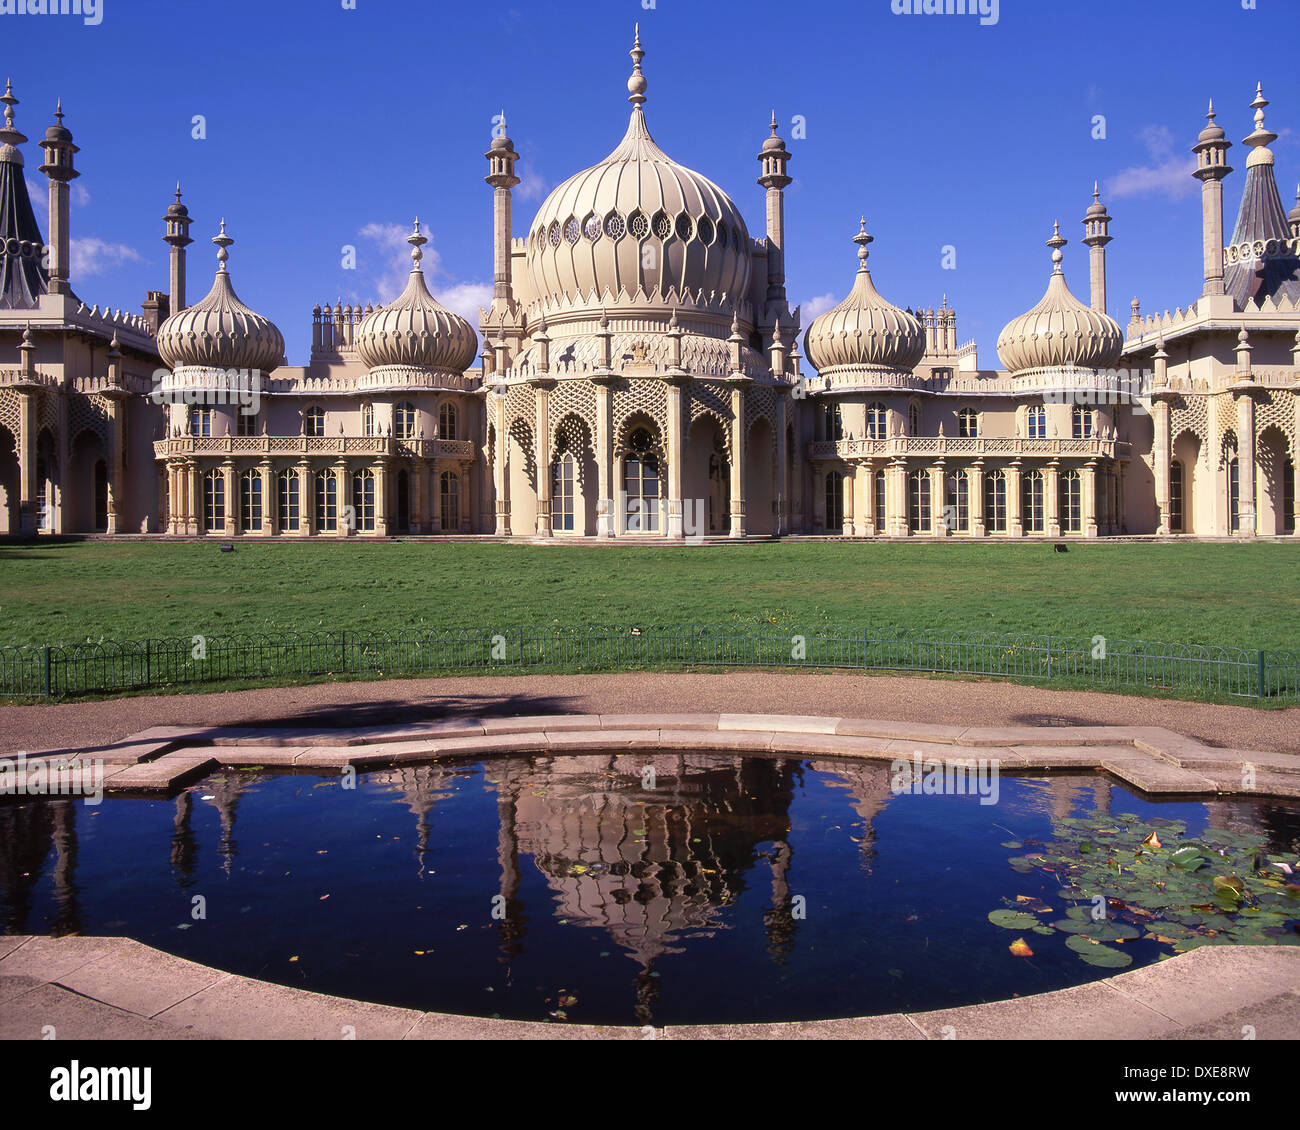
<point>1093,953</point>
<point>1012,919</point>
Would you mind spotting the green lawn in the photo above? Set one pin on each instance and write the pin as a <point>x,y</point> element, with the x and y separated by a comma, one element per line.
<point>1228,594</point>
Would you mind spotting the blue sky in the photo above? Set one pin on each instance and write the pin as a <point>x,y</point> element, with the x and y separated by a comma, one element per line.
<point>329,126</point>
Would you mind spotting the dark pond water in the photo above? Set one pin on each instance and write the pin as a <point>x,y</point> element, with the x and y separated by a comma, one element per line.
<point>525,887</point>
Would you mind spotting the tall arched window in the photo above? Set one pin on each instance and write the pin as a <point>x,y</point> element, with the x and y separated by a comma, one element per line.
<point>913,419</point>
<point>404,420</point>
<point>641,484</point>
<point>368,420</point>
<point>1082,422</point>
<point>214,501</point>
<point>449,499</point>
<point>289,503</point>
<point>956,507</point>
<point>363,500</point>
<point>245,423</point>
<point>719,493</point>
<point>250,501</point>
<point>564,472</point>
<point>313,421</point>
<point>834,502</point>
<point>1070,502</point>
<point>447,421</point>
<point>833,421</point>
<point>995,502</point>
<point>200,420</point>
<point>1036,421</point>
<point>1234,493</point>
<point>1288,497</point>
<point>1176,496</point>
<point>327,502</point>
<point>879,501</point>
<point>918,502</point>
<point>877,421</point>
<point>968,423</point>
<point>1032,510</point>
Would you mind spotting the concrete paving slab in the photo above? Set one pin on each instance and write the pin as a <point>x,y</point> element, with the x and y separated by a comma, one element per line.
<point>69,1016</point>
<point>51,959</point>
<point>601,739</point>
<point>1276,1018</point>
<point>140,979</point>
<point>659,721</point>
<point>779,723</point>
<point>901,731</point>
<point>10,942</point>
<point>891,1027</point>
<point>446,1026</point>
<point>1153,776</point>
<point>17,985</point>
<point>547,722</point>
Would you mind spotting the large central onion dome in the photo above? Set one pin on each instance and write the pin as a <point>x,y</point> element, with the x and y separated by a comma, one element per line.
<point>864,331</point>
<point>413,331</point>
<point>638,220</point>
<point>220,332</point>
<point>1060,332</point>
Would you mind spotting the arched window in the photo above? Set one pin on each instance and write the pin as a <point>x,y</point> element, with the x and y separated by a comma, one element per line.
<point>200,420</point>
<point>1176,496</point>
<point>879,501</point>
<point>1082,422</point>
<point>404,420</point>
<point>719,493</point>
<point>877,419</point>
<point>913,419</point>
<point>968,423</point>
<point>363,500</point>
<point>449,498</point>
<point>641,484</point>
<point>313,421</point>
<point>1234,493</point>
<point>289,503</point>
<point>245,423</point>
<point>1036,421</point>
<point>562,479</point>
<point>447,421</point>
<point>1070,502</point>
<point>1032,513</point>
<point>833,421</point>
<point>327,502</point>
<point>995,502</point>
<point>956,507</point>
<point>834,502</point>
<point>1288,497</point>
<point>214,501</point>
<point>368,420</point>
<point>250,501</point>
<point>918,502</point>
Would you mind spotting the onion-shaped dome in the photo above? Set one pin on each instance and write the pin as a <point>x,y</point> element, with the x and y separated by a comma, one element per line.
<point>637,220</point>
<point>1060,332</point>
<point>220,332</point>
<point>864,331</point>
<point>413,331</point>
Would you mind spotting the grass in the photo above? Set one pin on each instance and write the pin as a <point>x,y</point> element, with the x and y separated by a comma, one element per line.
<point>1217,594</point>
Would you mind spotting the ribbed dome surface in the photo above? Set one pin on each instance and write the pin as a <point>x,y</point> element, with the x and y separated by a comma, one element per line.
<point>220,332</point>
<point>413,331</point>
<point>864,331</point>
<point>1060,331</point>
<point>592,232</point>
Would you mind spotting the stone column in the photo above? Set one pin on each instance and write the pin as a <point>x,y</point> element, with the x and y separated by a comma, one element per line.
<point>435,496</point>
<point>867,498</point>
<point>1122,516</point>
<point>606,519</point>
<point>193,498</point>
<point>937,526</point>
<point>542,447</point>
<point>501,469</point>
<point>1162,455</point>
<point>847,492</point>
<point>782,525</point>
<point>676,457</point>
<point>1015,525</point>
<point>466,470</point>
<point>975,493</point>
<point>382,523</point>
<point>270,521</point>
<point>819,498</point>
<point>896,499</point>
<point>1088,489</point>
<point>232,497</point>
<point>28,501</point>
<point>114,457</point>
<point>342,497</point>
<point>1052,499</point>
<point>738,386</point>
<point>1246,469</point>
<point>417,472</point>
<point>306,499</point>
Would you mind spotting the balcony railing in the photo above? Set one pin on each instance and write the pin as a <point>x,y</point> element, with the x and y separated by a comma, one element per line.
<point>1010,447</point>
<point>304,446</point>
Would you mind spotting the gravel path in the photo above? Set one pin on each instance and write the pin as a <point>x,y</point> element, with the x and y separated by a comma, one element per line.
<point>891,698</point>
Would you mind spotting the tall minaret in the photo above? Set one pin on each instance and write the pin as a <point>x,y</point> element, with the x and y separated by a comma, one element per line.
<point>774,158</point>
<point>1096,229</point>
<point>58,166</point>
<point>501,176</point>
<point>178,223</point>
<point>1212,166</point>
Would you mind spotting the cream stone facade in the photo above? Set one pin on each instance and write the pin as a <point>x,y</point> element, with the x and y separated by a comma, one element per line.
<point>639,375</point>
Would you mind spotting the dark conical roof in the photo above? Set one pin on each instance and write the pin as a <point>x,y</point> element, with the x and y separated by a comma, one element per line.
<point>22,278</point>
<point>1262,218</point>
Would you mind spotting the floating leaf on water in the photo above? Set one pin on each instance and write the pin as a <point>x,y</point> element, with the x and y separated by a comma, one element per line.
<point>1095,954</point>
<point>1021,948</point>
<point>1152,841</point>
<point>1041,929</point>
<point>1016,845</point>
<point>1012,919</point>
<point>1033,904</point>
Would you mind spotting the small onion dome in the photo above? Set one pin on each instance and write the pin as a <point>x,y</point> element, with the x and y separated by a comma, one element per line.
<point>1096,208</point>
<point>864,331</point>
<point>220,332</point>
<point>773,142</point>
<point>58,131</point>
<point>1213,131</point>
<point>1060,331</point>
<point>177,209</point>
<point>413,331</point>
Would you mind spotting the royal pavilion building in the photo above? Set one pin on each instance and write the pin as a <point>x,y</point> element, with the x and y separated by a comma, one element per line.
<point>638,374</point>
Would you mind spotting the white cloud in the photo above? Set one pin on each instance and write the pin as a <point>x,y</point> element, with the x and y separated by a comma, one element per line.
<point>391,248</point>
<point>91,256</point>
<point>40,193</point>
<point>815,306</point>
<point>465,299</point>
<point>80,195</point>
<point>1169,173</point>
<point>532,188</point>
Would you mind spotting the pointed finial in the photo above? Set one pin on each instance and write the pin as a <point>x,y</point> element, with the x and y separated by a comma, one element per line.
<point>10,102</point>
<point>772,125</point>
<point>58,111</point>
<point>1096,191</point>
<point>417,241</point>
<point>1262,137</point>
<point>636,85</point>
<point>1210,112</point>
<point>222,240</point>
<point>1056,243</point>
<point>178,192</point>
<point>862,239</point>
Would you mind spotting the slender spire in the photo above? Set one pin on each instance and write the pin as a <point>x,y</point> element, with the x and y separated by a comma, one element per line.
<point>772,125</point>
<point>417,241</point>
<point>1056,243</point>
<point>862,239</point>
<point>636,85</point>
<point>1262,137</point>
<point>222,240</point>
<point>9,135</point>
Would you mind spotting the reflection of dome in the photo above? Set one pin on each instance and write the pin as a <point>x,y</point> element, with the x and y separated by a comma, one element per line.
<point>220,332</point>
<point>1060,331</point>
<point>864,331</point>
<point>413,331</point>
<point>638,220</point>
